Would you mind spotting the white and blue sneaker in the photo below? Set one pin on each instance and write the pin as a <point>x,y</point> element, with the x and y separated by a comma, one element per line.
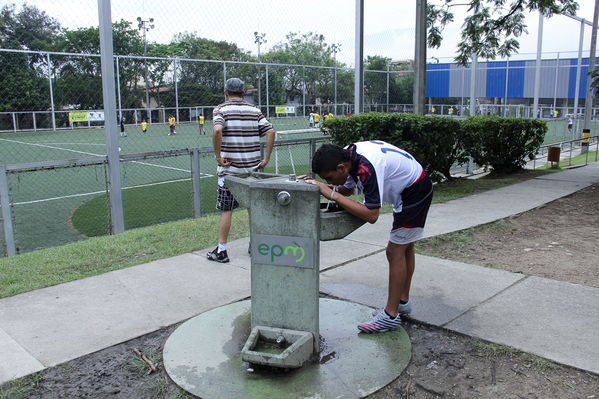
<point>380,322</point>
<point>403,310</point>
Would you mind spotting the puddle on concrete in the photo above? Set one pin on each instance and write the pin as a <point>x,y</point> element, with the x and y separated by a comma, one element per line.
<point>270,347</point>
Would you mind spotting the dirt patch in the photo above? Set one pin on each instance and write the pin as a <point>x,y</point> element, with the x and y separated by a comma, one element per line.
<point>443,365</point>
<point>557,241</point>
<point>554,241</point>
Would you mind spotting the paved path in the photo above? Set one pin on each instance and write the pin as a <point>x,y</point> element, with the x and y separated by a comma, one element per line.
<point>46,327</point>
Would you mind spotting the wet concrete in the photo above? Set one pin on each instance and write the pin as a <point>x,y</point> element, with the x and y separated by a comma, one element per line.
<point>203,356</point>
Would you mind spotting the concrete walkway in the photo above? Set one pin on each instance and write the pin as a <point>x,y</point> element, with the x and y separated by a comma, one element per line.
<point>552,319</point>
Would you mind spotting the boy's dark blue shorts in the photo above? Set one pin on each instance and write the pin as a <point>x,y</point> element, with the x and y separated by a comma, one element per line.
<point>408,225</point>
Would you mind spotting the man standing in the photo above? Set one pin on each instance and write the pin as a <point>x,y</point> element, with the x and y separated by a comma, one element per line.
<point>201,122</point>
<point>570,122</point>
<point>384,173</point>
<point>171,125</point>
<point>123,134</point>
<point>236,132</point>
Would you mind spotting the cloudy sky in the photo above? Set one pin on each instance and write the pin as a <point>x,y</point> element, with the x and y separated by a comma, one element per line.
<point>388,24</point>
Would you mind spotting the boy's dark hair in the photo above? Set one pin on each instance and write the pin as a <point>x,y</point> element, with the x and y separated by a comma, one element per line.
<point>328,156</point>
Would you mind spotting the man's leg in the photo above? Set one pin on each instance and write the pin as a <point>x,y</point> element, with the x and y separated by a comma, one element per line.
<point>224,226</point>
<point>401,268</point>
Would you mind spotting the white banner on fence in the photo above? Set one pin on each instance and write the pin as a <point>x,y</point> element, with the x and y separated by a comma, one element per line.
<point>95,116</point>
<point>285,110</point>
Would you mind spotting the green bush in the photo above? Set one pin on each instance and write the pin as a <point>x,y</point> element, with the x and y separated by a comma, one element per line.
<point>503,143</point>
<point>440,142</point>
<point>436,142</point>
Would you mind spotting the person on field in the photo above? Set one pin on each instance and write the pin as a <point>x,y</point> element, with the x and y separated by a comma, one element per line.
<point>171,125</point>
<point>201,123</point>
<point>237,129</point>
<point>122,121</point>
<point>384,173</point>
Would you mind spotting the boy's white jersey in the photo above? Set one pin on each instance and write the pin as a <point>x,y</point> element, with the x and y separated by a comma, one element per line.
<point>382,171</point>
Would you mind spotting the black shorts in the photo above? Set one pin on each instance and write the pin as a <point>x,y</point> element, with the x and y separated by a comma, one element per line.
<point>225,200</point>
<point>416,200</point>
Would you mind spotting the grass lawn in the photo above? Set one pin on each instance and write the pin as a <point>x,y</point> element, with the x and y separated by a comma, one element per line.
<point>46,267</point>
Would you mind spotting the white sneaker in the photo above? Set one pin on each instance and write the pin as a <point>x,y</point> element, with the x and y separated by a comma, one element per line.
<point>403,310</point>
<point>381,322</point>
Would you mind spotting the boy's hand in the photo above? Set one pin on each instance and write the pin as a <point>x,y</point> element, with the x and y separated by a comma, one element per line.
<point>324,188</point>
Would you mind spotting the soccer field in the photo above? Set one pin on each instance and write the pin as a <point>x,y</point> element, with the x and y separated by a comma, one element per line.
<point>53,206</point>
<point>25,147</point>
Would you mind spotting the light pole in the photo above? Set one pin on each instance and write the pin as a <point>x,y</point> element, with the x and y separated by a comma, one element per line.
<point>259,39</point>
<point>335,47</point>
<point>143,25</point>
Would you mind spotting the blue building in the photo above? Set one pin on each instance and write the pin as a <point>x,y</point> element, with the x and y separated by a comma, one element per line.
<point>509,82</point>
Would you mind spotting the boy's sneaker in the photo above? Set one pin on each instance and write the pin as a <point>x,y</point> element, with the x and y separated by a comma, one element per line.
<point>221,257</point>
<point>381,322</point>
<point>403,310</point>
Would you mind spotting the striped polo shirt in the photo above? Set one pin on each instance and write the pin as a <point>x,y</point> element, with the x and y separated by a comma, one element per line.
<point>243,125</point>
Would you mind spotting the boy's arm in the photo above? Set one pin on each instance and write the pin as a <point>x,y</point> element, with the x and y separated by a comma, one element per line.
<point>355,208</point>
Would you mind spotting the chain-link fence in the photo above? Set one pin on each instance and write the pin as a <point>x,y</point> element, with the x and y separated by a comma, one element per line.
<point>56,202</point>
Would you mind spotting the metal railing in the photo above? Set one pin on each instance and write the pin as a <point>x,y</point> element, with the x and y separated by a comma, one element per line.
<point>568,150</point>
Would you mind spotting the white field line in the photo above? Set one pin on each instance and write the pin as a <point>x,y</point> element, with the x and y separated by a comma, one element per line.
<point>52,147</point>
<point>43,142</point>
<point>103,191</point>
<point>93,154</point>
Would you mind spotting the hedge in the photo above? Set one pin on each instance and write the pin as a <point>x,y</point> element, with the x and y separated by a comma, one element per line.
<point>505,144</point>
<point>440,142</point>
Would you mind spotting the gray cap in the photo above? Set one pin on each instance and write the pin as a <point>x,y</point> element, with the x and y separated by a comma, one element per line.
<point>234,85</point>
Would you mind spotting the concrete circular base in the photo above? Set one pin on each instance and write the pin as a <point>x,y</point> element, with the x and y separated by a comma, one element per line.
<point>203,356</point>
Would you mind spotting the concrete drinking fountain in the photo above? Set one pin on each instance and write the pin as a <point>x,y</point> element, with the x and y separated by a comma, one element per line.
<point>286,325</point>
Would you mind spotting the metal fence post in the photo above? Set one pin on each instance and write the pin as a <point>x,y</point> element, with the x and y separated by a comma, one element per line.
<point>118,89</point>
<point>9,237</point>
<point>224,77</point>
<point>267,102</point>
<point>195,182</point>
<point>176,88</point>
<point>110,117</point>
<point>51,92</point>
<point>312,152</point>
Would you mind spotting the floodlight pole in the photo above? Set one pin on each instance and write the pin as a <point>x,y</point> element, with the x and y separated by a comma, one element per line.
<point>577,87</point>
<point>335,48</point>
<point>359,59</point>
<point>143,25</point>
<point>259,39</point>
<point>588,104</point>
<point>537,87</point>
<point>419,93</point>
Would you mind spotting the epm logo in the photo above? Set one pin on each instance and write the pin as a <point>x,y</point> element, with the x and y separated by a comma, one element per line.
<point>283,250</point>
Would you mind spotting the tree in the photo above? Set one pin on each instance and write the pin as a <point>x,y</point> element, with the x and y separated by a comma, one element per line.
<point>24,76</point>
<point>493,26</point>
<point>307,49</point>
<point>199,82</point>
<point>79,78</point>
